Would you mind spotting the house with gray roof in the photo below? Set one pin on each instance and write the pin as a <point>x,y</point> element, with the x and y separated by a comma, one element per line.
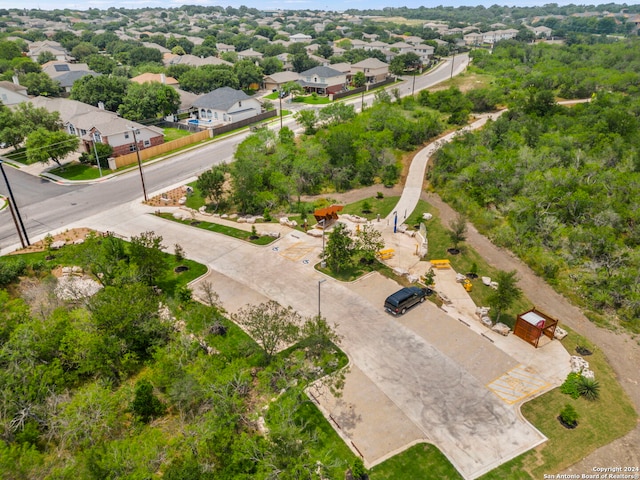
<point>225,105</point>
<point>12,93</point>
<point>93,124</point>
<point>323,80</point>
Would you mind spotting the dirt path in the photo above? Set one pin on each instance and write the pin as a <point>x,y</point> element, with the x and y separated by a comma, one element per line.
<point>621,349</point>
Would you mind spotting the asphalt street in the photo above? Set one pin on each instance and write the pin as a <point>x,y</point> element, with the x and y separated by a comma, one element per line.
<point>46,206</point>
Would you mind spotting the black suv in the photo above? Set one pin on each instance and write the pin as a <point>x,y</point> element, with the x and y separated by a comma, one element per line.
<point>399,302</point>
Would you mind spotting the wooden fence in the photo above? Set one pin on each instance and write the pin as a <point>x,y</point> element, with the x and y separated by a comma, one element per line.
<point>166,147</point>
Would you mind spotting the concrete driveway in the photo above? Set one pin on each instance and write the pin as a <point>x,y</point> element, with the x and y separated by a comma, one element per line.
<point>435,390</point>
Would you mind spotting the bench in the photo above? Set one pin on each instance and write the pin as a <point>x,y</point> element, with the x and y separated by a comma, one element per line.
<point>386,254</point>
<point>440,264</point>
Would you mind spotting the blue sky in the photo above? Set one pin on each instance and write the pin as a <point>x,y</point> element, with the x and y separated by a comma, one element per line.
<point>273,4</point>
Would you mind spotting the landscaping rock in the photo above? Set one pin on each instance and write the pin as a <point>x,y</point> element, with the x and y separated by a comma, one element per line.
<point>560,333</point>
<point>460,277</point>
<point>57,245</point>
<point>182,200</point>
<point>486,281</point>
<point>501,328</point>
<point>427,216</point>
<point>578,364</point>
<point>242,220</point>
<point>486,320</point>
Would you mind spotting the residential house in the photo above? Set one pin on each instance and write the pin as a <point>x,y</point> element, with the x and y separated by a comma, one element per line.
<point>156,77</point>
<point>300,38</point>
<point>323,80</point>
<point>250,54</point>
<point>12,93</point>
<point>374,70</point>
<point>276,80</point>
<point>66,73</point>
<point>224,48</point>
<point>225,105</point>
<point>424,51</point>
<point>93,124</point>
<point>192,60</point>
<point>54,48</point>
<point>542,31</point>
<point>376,45</point>
<point>401,47</point>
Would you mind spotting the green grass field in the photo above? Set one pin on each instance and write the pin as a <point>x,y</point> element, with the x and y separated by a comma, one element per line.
<point>223,229</point>
<point>175,133</point>
<point>79,171</point>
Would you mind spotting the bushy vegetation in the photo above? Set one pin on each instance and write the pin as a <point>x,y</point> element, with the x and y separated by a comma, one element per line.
<point>559,185</point>
<point>346,152</point>
<point>142,382</point>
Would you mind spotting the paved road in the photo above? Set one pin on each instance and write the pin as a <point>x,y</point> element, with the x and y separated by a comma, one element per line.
<point>46,207</point>
<point>435,394</point>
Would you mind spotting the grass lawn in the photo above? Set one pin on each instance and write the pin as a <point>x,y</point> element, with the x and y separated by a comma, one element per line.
<point>18,156</point>
<point>422,461</point>
<point>371,207</point>
<point>599,422</point>
<point>311,100</point>
<point>175,133</point>
<point>79,171</point>
<point>223,229</point>
<point>272,96</point>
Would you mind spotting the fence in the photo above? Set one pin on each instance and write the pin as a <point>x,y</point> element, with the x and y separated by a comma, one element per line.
<point>166,147</point>
<point>243,123</point>
<point>354,91</point>
<point>381,84</point>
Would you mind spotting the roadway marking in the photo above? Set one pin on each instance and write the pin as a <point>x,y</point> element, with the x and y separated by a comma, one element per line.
<point>297,251</point>
<point>517,384</point>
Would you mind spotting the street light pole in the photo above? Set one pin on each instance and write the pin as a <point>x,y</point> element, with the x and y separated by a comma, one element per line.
<point>280,97</point>
<point>15,222</point>
<point>320,282</point>
<point>12,200</point>
<point>135,139</point>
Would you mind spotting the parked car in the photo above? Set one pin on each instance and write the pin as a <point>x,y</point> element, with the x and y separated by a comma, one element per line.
<point>405,298</point>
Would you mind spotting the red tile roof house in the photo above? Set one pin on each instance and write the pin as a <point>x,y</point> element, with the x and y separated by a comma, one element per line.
<point>93,124</point>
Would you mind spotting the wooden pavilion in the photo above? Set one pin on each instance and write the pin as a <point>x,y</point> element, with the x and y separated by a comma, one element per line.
<point>531,326</point>
<point>327,216</point>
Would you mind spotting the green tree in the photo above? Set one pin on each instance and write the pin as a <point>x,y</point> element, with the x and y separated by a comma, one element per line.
<point>109,90</point>
<point>101,64</point>
<point>405,62</point>
<point>9,50</point>
<point>325,51</point>
<point>45,56</point>
<point>149,100</point>
<point>211,184</point>
<point>207,78</point>
<point>368,242</point>
<point>505,295</point>
<point>458,232</point>
<point>359,79</point>
<point>103,150</point>
<point>11,131</point>
<point>337,113</point>
<point>83,50</point>
<point>145,252</point>
<point>339,250</point>
<point>248,73</point>
<point>270,324</point>
<point>292,88</point>
<point>140,55</point>
<point>308,119</point>
<point>270,65</point>
<point>145,404</point>
<point>44,145</point>
<point>40,84</point>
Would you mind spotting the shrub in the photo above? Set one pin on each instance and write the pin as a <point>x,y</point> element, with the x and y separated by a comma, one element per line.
<point>569,415</point>
<point>588,388</point>
<point>570,385</point>
<point>358,471</point>
<point>11,270</point>
<point>379,195</point>
<point>145,404</point>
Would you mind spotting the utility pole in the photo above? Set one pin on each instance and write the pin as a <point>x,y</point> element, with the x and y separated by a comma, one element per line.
<point>280,97</point>
<point>95,151</point>
<point>320,282</point>
<point>453,61</point>
<point>135,139</point>
<point>12,200</point>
